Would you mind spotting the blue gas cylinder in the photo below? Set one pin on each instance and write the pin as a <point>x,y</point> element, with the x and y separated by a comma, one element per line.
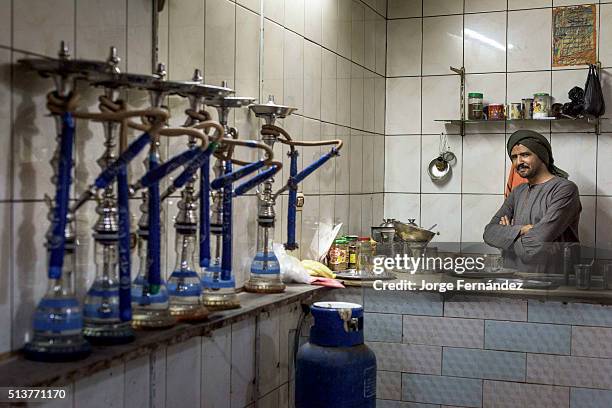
<point>335,369</point>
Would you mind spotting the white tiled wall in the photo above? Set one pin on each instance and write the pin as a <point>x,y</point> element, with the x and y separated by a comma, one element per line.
<point>505,47</point>
<point>325,57</point>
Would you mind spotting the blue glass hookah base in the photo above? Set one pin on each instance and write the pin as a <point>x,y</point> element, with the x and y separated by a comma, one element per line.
<point>94,308</point>
<point>190,288</point>
<point>265,264</point>
<point>156,294</point>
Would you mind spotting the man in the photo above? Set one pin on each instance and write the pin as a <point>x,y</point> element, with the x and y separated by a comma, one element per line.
<point>537,215</point>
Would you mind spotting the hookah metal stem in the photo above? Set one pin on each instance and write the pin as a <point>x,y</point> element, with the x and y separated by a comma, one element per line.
<point>292,204</point>
<point>125,297</point>
<point>154,247</point>
<point>226,229</point>
<point>205,212</point>
<point>62,194</point>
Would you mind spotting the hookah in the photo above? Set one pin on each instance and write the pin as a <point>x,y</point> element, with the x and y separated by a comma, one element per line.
<point>58,319</point>
<point>151,299</point>
<point>265,270</point>
<point>219,285</point>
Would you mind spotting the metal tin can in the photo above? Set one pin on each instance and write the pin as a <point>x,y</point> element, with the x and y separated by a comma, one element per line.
<point>352,251</point>
<point>516,111</point>
<point>541,105</point>
<point>527,108</point>
<point>496,111</point>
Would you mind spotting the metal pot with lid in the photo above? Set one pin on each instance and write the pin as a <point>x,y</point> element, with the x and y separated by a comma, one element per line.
<point>385,232</point>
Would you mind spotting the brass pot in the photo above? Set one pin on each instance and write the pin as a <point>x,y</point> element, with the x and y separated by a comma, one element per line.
<point>412,233</point>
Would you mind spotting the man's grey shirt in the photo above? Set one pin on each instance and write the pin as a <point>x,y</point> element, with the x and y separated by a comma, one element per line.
<point>553,208</point>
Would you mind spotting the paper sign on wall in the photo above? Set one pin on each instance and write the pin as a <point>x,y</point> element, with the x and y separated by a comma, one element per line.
<point>574,35</point>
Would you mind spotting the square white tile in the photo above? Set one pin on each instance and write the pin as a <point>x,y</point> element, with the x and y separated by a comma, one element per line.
<point>39,26</point>
<point>588,216</point>
<point>369,102</point>
<point>184,370</point>
<point>403,206</point>
<point>404,40</point>
<point>354,222</point>
<point>273,61</point>
<point>357,101</point>
<point>327,172</point>
<point>477,211</point>
<point>366,214</point>
<point>342,162</point>
<point>329,30</point>
<point>243,363</point>
<point>275,10</point>
<point>370,39</point>
<point>220,43</point>
<point>93,391</point>
<point>341,212</point>
<point>442,7</point>
<point>294,70</point>
<point>358,32</point>
<point>343,91</point>
<point>313,20</point>
<point>402,164</point>
<point>442,44</point>
<point>441,100</point>
<point>605,35</point>
<point>355,165</point>
<point>576,153</point>
<point>268,375</point>
<point>380,32</point>
<point>368,163</point>
<point>253,5</point>
<point>488,153</point>
<point>379,105</point>
<point>345,24</point>
<point>6,277</point>
<point>403,106</point>
<point>312,80</point>
<point>139,39</point>
<point>604,166</point>
<point>379,163</point>
<point>216,368</point>
<point>529,40</point>
<point>526,4</point>
<point>603,231</point>
<point>444,210</point>
<point>485,42</point>
<point>477,6</point>
<point>405,8</point>
<point>294,15</point>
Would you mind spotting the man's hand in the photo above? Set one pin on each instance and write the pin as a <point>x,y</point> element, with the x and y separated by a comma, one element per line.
<point>525,229</point>
<point>505,220</point>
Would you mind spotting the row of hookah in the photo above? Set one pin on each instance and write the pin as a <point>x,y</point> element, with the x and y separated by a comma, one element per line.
<point>115,305</point>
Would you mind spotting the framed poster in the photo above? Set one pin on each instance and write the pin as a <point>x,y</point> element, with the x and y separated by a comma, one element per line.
<point>574,35</point>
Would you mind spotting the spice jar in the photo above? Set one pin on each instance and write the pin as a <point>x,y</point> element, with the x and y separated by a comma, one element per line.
<point>337,257</point>
<point>365,258</point>
<point>541,105</point>
<point>515,111</point>
<point>528,108</point>
<point>352,250</point>
<point>475,106</point>
<point>496,111</point>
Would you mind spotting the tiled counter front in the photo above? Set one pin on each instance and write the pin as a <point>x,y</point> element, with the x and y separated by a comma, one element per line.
<point>487,351</point>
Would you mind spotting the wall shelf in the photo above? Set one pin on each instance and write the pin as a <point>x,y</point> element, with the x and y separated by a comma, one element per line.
<point>596,122</point>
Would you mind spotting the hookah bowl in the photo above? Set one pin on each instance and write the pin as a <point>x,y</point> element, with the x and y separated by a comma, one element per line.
<point>58,319</point>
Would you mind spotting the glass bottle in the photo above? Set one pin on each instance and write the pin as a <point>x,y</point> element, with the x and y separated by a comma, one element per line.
<point>58,320</point>
<point>265,269</point>
<point>150,307</point>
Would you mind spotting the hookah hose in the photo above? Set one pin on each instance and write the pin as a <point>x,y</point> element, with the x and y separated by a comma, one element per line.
<point>292,203</point>
<point>205,211</point>
<point>154,247</point>
<point>294,177</point>
<point>226,227</point>
<point>57,240</point>
<point>125,297</point>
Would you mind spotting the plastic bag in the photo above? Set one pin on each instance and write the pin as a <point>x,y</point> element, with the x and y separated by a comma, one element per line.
<point>594,104</point>
<point>291,268</point>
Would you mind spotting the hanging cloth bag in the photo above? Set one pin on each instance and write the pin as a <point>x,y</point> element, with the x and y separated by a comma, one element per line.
<point>594,104</point>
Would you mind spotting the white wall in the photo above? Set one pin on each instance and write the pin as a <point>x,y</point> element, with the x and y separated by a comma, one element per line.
<point>424,39</point>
